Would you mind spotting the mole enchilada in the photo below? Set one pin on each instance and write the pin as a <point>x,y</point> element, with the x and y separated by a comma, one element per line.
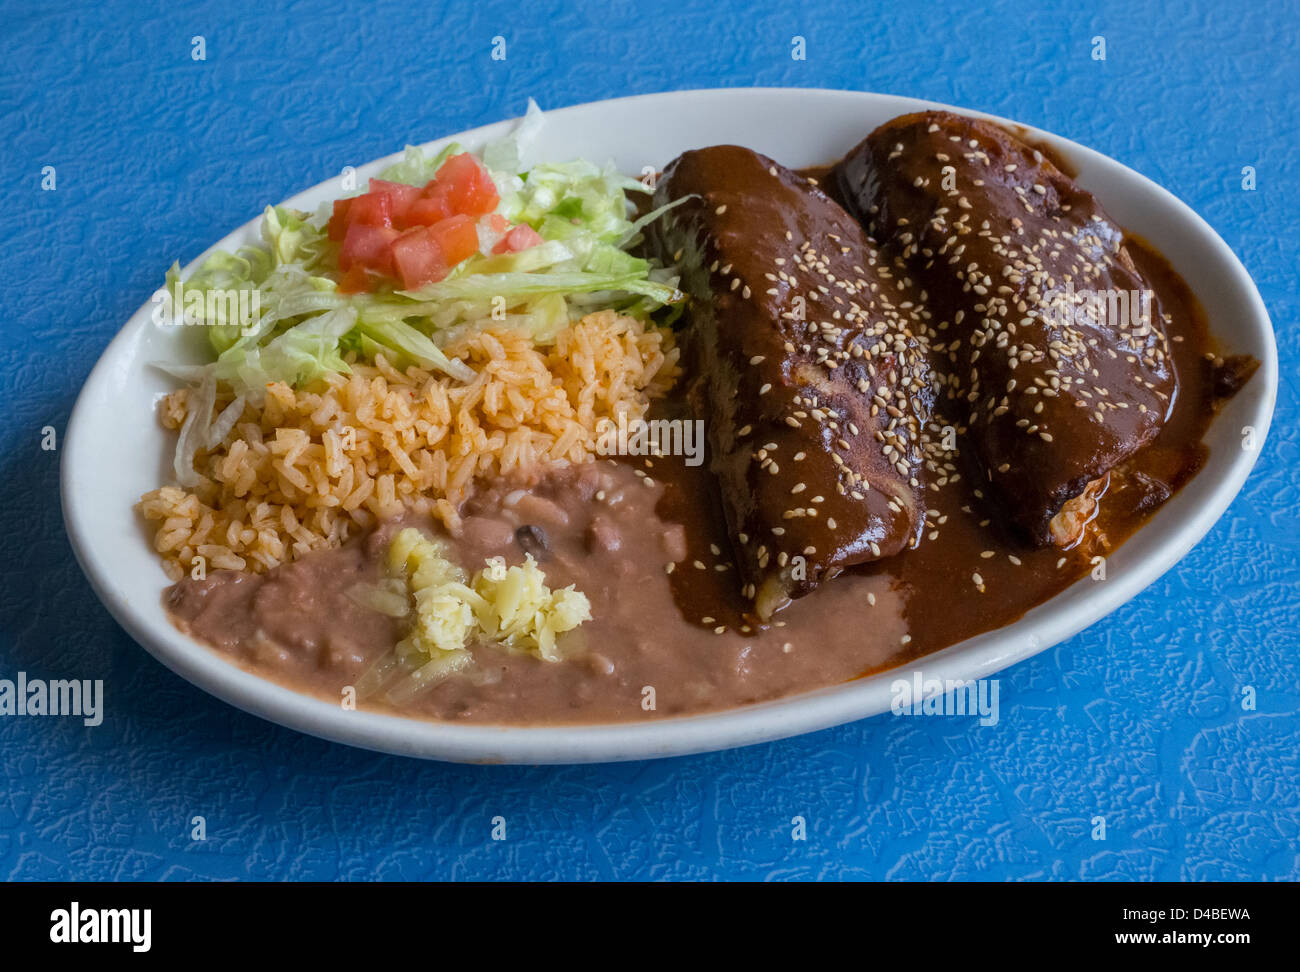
<point>919,420</point>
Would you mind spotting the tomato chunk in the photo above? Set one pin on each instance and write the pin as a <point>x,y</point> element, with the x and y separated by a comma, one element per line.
<point>428,210</point>
<point>338,224</point>
<point>519,238</point>
<point>418,259</point>
<point>457,237</point>
<point>401,190</point>
<point>355,281</point>
<point>367,246</point>
<point>400,196</point>
<point>418,234</point>
<point>470,189</point>
<point>372,209</point>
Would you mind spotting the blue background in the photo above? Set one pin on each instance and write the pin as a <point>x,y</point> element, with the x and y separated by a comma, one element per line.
<point>1137,720</point>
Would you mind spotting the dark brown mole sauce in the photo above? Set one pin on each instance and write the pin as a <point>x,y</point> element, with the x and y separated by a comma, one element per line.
<point>942,601</point>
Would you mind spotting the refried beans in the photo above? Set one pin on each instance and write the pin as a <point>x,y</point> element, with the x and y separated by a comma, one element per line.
<point>594,526</point>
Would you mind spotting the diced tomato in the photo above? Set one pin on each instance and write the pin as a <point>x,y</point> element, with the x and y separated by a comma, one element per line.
<point>338,225</point>
<point>417,258</point>
<point>457,237</point>
<point>355,281</point>
<point>519,238</point>
<point>372,209</point>
<point>417,234</point>
<point>367,246</point>
<point>400,197</point>
<point>400,189</point>
<point>470,189</point>
<point>428,210</point>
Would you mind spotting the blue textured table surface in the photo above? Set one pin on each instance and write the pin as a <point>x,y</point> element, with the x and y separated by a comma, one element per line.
<point>1137,720</point>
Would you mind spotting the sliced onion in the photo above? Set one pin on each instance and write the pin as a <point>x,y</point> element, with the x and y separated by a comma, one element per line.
<point>428,675</point>
<point>378,674</point>
<point>194,431</point>
<point>224,423</point>
<point>381,598</point>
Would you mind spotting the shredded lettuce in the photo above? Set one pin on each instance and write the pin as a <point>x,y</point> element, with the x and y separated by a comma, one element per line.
<point>297,356</point>
<point>416,168</point>
<point>564,199</point>
<point>392,334</point>
<point>291,239</point>
<point>508,154</point>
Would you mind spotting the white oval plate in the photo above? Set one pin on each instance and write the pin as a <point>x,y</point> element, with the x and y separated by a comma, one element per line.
<point>115,450</point>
